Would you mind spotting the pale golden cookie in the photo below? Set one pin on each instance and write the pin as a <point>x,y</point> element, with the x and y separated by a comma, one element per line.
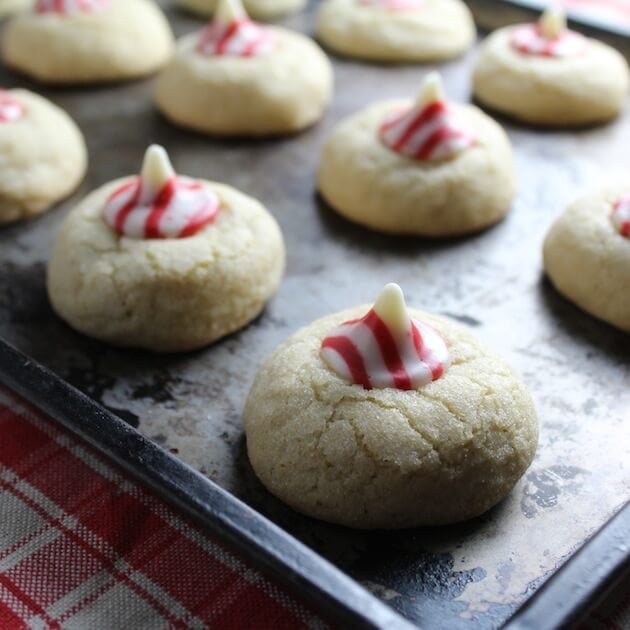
<point>587,86</point>
<point>435,30</point>
<point>125,40</point>
<point>43,157</point>
<point>260,9</point>
<point>588,259</point>
<point>13,6</point>
<point>284,87</point>
<point>160,292</point>
<point>369,183</point>
<point>385,457</point>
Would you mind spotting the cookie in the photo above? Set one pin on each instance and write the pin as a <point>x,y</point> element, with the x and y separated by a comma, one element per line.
<point>44,157</point>
<point>429,168</point>
<point>13,6</point>
<point>260,9</point>
<point>388,417</point>
<point>64,41</point>
<point>164,262</point>
<point>587,254</point>
<point>548,75</point>
<point>396,30</point>
<point>237,77</point>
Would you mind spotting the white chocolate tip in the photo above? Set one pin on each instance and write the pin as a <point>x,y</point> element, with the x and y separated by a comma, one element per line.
<point>156,169</point>
<point>432,90</point>
<point>553,21</point>
<point>228,11</point>
<point>391,308</point>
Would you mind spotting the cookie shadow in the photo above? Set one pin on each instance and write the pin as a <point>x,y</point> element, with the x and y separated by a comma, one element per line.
<point>505,120</point>
<point>357,236</point>
<point>578,324</point>
<point>366,554</point>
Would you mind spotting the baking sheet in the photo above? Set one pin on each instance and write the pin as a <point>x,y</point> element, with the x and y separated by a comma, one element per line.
<point>577,368</point>
<point>608,20</point>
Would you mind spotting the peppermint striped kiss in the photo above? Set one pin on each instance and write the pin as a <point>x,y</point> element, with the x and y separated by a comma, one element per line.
<point>550,37</point>
<point>393,5</point>
<point>232,33</point>
<point>68,7</point>
<point>10,108</point>
<point>430,130</point>
<point>159,204</point>
<point>621,216</point>
<point>386,348</point>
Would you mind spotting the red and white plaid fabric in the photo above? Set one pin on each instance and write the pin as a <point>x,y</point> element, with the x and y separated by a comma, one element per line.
<point>82,546</point>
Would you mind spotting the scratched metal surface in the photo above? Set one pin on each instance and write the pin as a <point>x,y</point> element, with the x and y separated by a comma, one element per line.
<point>578,369</point>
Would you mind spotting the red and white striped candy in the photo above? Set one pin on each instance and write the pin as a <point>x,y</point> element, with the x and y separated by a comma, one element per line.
<point>160,204</point>
<point>432,132</point>
<point>393,5</point>
<point>529,39</point>
<point>386,348</point>
<point>239,38</point>
<point>620,216</point>
<point>10,108</point>
<point>68,7</point>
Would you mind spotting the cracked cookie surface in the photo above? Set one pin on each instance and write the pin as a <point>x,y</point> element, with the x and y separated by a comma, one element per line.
<point>130,39</point>
<point>167,295</point>
<point>588,261</point>
<point>282,91</point>
<point>438,30</point>
<point>386,458</point>
<point>370,184</point>
<point>43,158</point>
<point>577,90</point>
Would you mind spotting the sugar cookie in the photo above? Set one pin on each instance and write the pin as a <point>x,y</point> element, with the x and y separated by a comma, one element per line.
<point>396,30</point>
<point>12,6</point>
<point>394,418</point>
<point>548,75</point>
<point>431,168</point>
<point>164,262</point>
<point>260,9</point>
<point>237,77</point>
<point>64,41</point>
<point>43,155</point>
<point>587,254</point>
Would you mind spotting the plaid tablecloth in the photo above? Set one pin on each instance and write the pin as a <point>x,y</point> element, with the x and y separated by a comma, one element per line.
<point>82,546</point>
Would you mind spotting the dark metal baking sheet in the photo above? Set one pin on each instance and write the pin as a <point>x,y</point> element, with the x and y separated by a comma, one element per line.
<point>612,25</point>
<point>578,369</point>
<point>597,567</point>
<point>339,598</point>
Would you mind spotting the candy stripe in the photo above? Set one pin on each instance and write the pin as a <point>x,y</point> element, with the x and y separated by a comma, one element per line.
<point>152,225</point>
<point>68,7</point>
<point>426,116</point>
<point>240,38</point>
<point>10,108</point>
<point>424,353</point>
<point>620,216</point>
<point>389,351</point>
<point>180,209</point>
<point>371,356</point>
<point>227,35</point>
<point>440,137</point>
<point>198,220</point>
<point>128,208</point>
<point>529,39</point>
<point>352,357</point>
<point>426,133</point>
